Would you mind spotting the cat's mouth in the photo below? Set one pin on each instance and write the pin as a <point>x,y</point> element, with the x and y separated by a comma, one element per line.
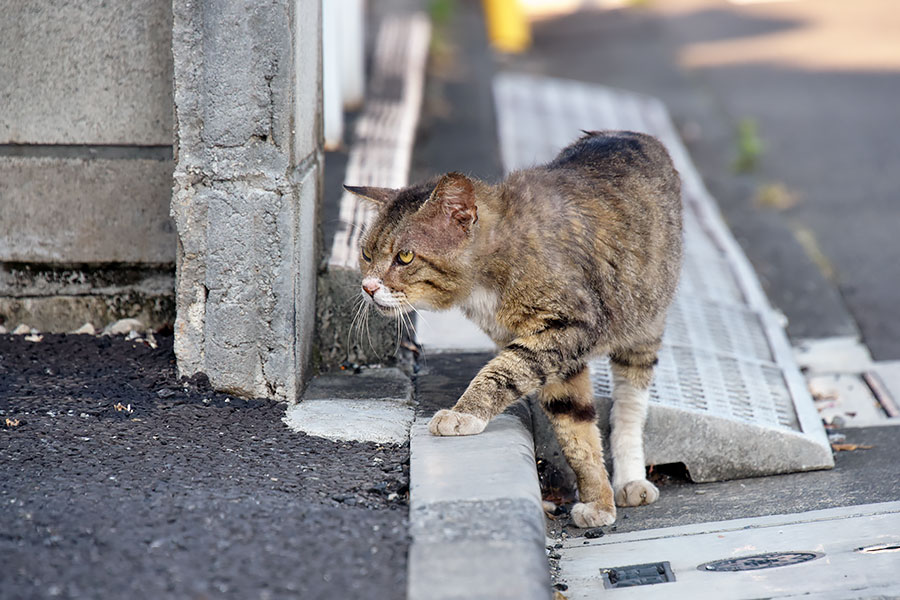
<point>388,310</point>
<point>387,306</point>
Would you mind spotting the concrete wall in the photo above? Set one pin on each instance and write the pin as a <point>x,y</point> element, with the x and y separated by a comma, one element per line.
<point>85,163</point>
<point>247,186</point>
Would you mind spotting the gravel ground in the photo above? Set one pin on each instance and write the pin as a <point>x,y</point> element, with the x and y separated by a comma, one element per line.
<point>118,479</point>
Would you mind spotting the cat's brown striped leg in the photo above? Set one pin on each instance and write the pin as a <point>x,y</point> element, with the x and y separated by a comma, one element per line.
<point>523,366</point>
<point>570,408</point>
<point>632,373</point>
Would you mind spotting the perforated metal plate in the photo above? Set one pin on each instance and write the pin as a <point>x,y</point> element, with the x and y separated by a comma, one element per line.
<point>385,131</point>
<point>725,359</point>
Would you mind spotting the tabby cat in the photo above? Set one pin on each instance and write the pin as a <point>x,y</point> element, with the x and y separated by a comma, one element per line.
<point>558,263</point>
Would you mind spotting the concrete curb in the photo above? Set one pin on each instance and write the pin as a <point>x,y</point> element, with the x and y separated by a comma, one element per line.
<point>475,515</point>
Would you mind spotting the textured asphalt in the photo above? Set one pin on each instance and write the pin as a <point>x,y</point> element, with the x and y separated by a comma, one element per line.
<point>119,480</point>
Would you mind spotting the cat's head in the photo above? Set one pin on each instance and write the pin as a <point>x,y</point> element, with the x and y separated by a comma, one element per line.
<point>414,254</point>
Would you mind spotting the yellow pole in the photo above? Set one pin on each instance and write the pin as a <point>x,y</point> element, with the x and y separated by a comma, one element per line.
<point>508,27</point>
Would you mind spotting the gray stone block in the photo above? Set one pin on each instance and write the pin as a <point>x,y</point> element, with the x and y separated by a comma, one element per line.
<point>86,72</point>
<point>68,210</point>
<point>475,515</point>
<point>471,570</point>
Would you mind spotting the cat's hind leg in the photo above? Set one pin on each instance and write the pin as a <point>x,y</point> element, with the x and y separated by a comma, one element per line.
<point>632,372</point>
<point>569,406</point>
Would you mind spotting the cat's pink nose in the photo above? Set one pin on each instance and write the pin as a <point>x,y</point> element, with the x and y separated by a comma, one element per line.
<point>371,287</point>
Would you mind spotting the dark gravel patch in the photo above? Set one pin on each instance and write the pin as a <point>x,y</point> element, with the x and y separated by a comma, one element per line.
<point>118,479</point>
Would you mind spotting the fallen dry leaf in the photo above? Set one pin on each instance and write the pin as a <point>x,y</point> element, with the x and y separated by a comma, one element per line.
<point>849,447</point>
<point>12,422</point>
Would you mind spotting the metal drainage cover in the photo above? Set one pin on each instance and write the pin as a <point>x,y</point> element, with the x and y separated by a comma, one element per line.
<point>769,560</point>
<point>648,574</point>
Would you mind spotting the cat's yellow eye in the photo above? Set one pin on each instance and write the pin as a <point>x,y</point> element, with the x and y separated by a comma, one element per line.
<point>404,257</point>
<point>366,256</point>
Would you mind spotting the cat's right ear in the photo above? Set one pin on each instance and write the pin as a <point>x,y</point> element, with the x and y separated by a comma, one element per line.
<point>377,195</point>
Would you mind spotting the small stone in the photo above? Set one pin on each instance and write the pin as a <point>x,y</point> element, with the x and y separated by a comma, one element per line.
<point>3,330</point>
<point>22,329</point>
<point>86,329</point>
<point>560,586</point>
<point>34,337</point>
<point>123,327</point>
<point>593,533</point>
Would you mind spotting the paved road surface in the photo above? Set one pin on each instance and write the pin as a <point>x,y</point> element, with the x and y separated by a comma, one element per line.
<point>119,481</point>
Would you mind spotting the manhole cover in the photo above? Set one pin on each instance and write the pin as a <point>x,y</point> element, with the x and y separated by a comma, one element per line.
<point>770,560</point>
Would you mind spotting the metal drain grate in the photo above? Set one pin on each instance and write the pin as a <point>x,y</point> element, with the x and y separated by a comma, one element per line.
<point>385,131</point>
<point>726,370</point>
<point>634,575</point>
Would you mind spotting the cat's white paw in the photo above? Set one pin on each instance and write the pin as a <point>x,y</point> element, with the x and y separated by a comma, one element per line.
<point>636,493</point>
<point>592,514</point>
<point>450,422</point>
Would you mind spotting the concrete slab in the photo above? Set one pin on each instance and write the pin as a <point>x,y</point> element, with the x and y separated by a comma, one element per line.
<point>384,420</point>
<point>373,406</point>
<point>845,400</point>
<point>110,227</point>
<point>86,72</point>
<point>832,355</point>
<point>857,548</point>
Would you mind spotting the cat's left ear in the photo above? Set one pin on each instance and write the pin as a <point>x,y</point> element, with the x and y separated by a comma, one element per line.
<point>456,195</point>
<point>377,195</point>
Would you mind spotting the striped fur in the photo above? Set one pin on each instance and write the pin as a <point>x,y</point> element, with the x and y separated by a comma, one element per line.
<point>557,263</point>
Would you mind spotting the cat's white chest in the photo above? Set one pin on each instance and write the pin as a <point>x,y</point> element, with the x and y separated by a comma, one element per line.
<point>481,308</point>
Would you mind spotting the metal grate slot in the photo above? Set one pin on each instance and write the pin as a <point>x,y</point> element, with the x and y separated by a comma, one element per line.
<point>634,575</point>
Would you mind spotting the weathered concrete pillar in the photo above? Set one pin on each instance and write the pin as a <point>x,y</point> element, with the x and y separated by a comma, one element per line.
<point>247,186</point>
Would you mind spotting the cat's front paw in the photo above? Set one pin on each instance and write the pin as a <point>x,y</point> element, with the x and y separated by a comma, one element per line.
<point>593,514</point>
<point>450,422</point>
<point>636,493</point>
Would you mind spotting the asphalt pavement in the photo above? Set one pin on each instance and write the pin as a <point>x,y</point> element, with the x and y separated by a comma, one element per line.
<point>119,480</point>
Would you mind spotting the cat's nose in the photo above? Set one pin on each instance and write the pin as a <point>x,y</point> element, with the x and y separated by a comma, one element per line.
<point>370,287</point>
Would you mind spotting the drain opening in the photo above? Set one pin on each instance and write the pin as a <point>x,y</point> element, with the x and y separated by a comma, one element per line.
<point>648,574</point>
<point>769,560</point>
<point>879,548</point>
